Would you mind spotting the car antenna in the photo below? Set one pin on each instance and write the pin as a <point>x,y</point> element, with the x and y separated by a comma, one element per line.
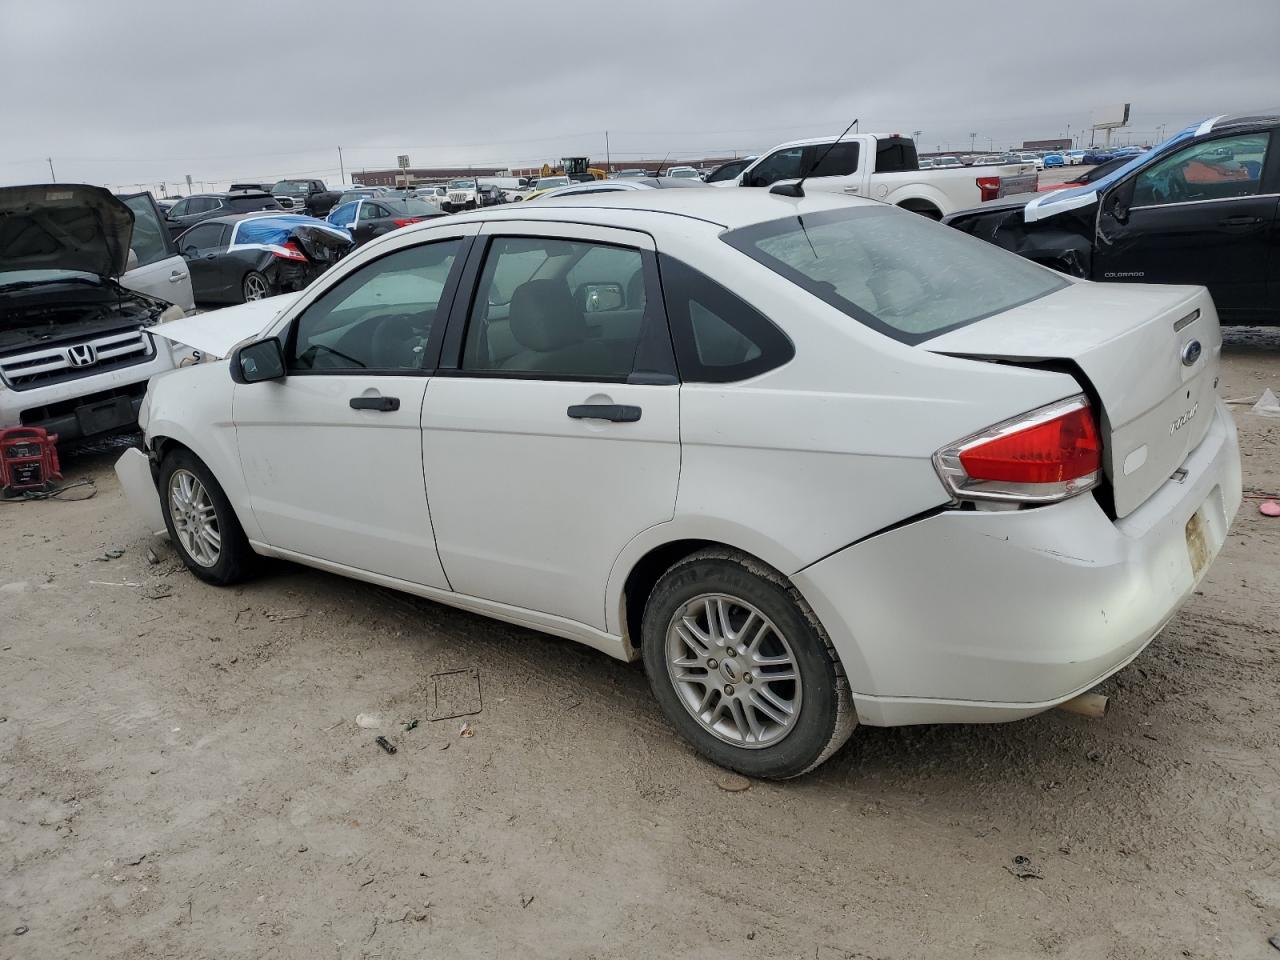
<point>663,164</point>
<point>797,189</point>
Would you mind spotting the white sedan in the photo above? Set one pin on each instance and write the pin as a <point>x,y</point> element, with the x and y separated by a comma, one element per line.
<point>815,461</point>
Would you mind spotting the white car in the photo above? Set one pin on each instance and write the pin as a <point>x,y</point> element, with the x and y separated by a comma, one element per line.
<point>1032,158</point>
<point>685,173</point>
<point>884,167</point>
<point>1074,157</point>
<point>816,461</point>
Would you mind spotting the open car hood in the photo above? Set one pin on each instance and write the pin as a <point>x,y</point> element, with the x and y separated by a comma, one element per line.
<point>64,226</point>
<point>218,332</point>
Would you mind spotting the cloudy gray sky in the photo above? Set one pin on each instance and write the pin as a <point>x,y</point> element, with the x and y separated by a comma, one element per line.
<point>142,92</point>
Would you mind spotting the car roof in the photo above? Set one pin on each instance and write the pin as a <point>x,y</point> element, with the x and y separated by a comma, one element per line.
<point>1254,118</point>
<point>728,208</point>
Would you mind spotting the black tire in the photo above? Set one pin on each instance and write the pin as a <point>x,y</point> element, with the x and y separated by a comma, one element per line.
<point>236,560</point>
<point>253,279</point>
<point>826,716</point>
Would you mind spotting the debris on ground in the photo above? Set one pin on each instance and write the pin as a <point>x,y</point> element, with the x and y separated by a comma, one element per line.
<point>277,616</point>
<point>385,744</point>
<point>1269,508</point>
<point>151,557</point>
<point>1267,405</point>
<point>20,930</point>
<point>1024,869</point>
<point>111,553</point>
<point>368,721</point>
<point>525,901</point>
<point>135,861</point>
<point>1274,940</point>
<point>157,591</point>
<point>733,783</point>
<point>412,724</point>
<point>466,731</point>
<point>1094,755</point>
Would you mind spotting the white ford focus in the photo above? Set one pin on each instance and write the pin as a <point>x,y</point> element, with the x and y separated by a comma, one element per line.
<point>815,461</point>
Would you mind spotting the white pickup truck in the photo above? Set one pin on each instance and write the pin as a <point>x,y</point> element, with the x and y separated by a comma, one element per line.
<point>884,167</point>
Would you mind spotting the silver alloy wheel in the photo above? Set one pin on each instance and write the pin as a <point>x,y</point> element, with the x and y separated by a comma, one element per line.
<point>194,518</point>
<point>255,287</point>
<point>733,670</point>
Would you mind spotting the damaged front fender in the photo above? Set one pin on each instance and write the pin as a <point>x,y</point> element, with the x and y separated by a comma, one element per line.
<point>1064,243</point>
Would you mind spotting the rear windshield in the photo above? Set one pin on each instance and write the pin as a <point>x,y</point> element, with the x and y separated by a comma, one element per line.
<point>898,273</point>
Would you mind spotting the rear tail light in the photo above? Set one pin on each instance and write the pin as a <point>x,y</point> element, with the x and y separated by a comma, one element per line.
<point>1043,456</point>
<point>405,221</point>
<point>290,251</point>
<point>989,188</point>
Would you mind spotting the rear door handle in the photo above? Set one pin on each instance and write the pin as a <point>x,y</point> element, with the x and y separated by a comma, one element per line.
<point>381,404</point>
<point>1240,221</point>
<point>617,412</point>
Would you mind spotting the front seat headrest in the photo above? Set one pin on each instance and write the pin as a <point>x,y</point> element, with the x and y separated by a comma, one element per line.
<point>544,317</point>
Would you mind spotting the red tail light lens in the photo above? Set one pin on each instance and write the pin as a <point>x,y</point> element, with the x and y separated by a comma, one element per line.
<point>1041,457</point>
<point>404,222</point>
<point>290,251</point>
<point>989,188</point>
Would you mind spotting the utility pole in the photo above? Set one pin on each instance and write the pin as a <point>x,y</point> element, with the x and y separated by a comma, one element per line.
<point>972,137</point>
<point>51,173</point>
<point>342,171</point>
<point>608,164</point>
<point>915,134</point>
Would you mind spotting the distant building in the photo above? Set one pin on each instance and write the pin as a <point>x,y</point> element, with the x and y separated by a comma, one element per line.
<point>391,178</point>
<point>1061,143</point>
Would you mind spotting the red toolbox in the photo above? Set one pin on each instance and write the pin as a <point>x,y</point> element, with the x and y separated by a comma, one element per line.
<point>28,460</point>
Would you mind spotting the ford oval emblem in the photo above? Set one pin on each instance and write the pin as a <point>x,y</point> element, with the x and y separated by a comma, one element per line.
<point>1191,353</point>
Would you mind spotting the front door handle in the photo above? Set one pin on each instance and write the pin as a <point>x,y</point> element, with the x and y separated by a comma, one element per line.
<point>176,276</point>
<point>617,412</point>
<point>381,404</point>
<point>1240,221</point>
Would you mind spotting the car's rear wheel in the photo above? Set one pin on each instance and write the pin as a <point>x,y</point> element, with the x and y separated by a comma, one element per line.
<point>201,523</point>
<point>255,286</point>
<point>742,668</point>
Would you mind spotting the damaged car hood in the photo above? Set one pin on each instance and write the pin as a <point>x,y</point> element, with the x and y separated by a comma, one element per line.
<point>65,227</point>
<point>217,332</point>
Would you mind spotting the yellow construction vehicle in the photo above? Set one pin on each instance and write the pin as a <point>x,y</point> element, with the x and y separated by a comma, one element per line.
<point>579,168</point>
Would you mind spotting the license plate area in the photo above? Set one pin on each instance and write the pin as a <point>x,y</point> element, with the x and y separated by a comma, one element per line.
<point>107,415</point>
<point>1198,544</point>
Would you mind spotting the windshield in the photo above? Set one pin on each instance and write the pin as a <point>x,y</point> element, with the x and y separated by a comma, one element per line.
<point>289,187</point>
<point>354,195</point>
<point>413,207</point>
<point>684,173</point>
<point>462,184</point>
<point>894,271</point>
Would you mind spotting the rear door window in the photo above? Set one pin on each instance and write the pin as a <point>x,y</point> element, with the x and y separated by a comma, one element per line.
<point>832,160</point>
<point>206,236</point>
<point>893,270</point>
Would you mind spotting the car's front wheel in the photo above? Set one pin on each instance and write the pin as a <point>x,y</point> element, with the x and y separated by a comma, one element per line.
<point>742,668</point>
<point>201,524</point>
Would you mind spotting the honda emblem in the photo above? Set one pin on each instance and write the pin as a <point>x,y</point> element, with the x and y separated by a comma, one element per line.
<point>82,355</point>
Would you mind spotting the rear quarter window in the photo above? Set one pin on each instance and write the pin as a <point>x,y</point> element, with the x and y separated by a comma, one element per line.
<point>718,337</point>
<point>894,271</point>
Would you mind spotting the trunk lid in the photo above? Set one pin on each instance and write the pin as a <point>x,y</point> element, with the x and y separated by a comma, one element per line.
<point>1134,345</point>
<point>63,226</point>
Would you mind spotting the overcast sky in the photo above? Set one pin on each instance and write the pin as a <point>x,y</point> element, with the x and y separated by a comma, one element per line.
<point>134,91</point>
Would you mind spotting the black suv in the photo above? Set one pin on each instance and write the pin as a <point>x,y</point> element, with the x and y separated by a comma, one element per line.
<point>1203,207</point>
<point>201,206</point>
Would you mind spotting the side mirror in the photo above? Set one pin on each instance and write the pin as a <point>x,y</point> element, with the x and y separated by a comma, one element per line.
<point>132,262</point>
<point>604,296</point>
<point>258,361</point>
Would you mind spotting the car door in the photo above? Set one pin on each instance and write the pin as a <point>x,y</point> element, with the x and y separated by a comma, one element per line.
<point>332,453</point>
<point>161,271</point>
<point>367,221</point>
<point>1205,214</point>
<point>551,431</point>
<point>201,247</point>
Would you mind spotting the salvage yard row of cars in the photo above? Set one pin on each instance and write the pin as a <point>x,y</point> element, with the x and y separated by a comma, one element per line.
<point>750,424</point>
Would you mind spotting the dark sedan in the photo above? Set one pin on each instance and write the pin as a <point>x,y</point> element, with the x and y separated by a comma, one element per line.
<point>245,257</point>
<point>1201,208</point>
<point>372,217</point>
<point>189,211</point>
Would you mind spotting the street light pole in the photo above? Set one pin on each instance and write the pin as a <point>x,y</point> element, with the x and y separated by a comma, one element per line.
<point>342,171</point>
<point>51,173</point>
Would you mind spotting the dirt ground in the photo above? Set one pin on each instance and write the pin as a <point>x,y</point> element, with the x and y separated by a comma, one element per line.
<point>182,775</point>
